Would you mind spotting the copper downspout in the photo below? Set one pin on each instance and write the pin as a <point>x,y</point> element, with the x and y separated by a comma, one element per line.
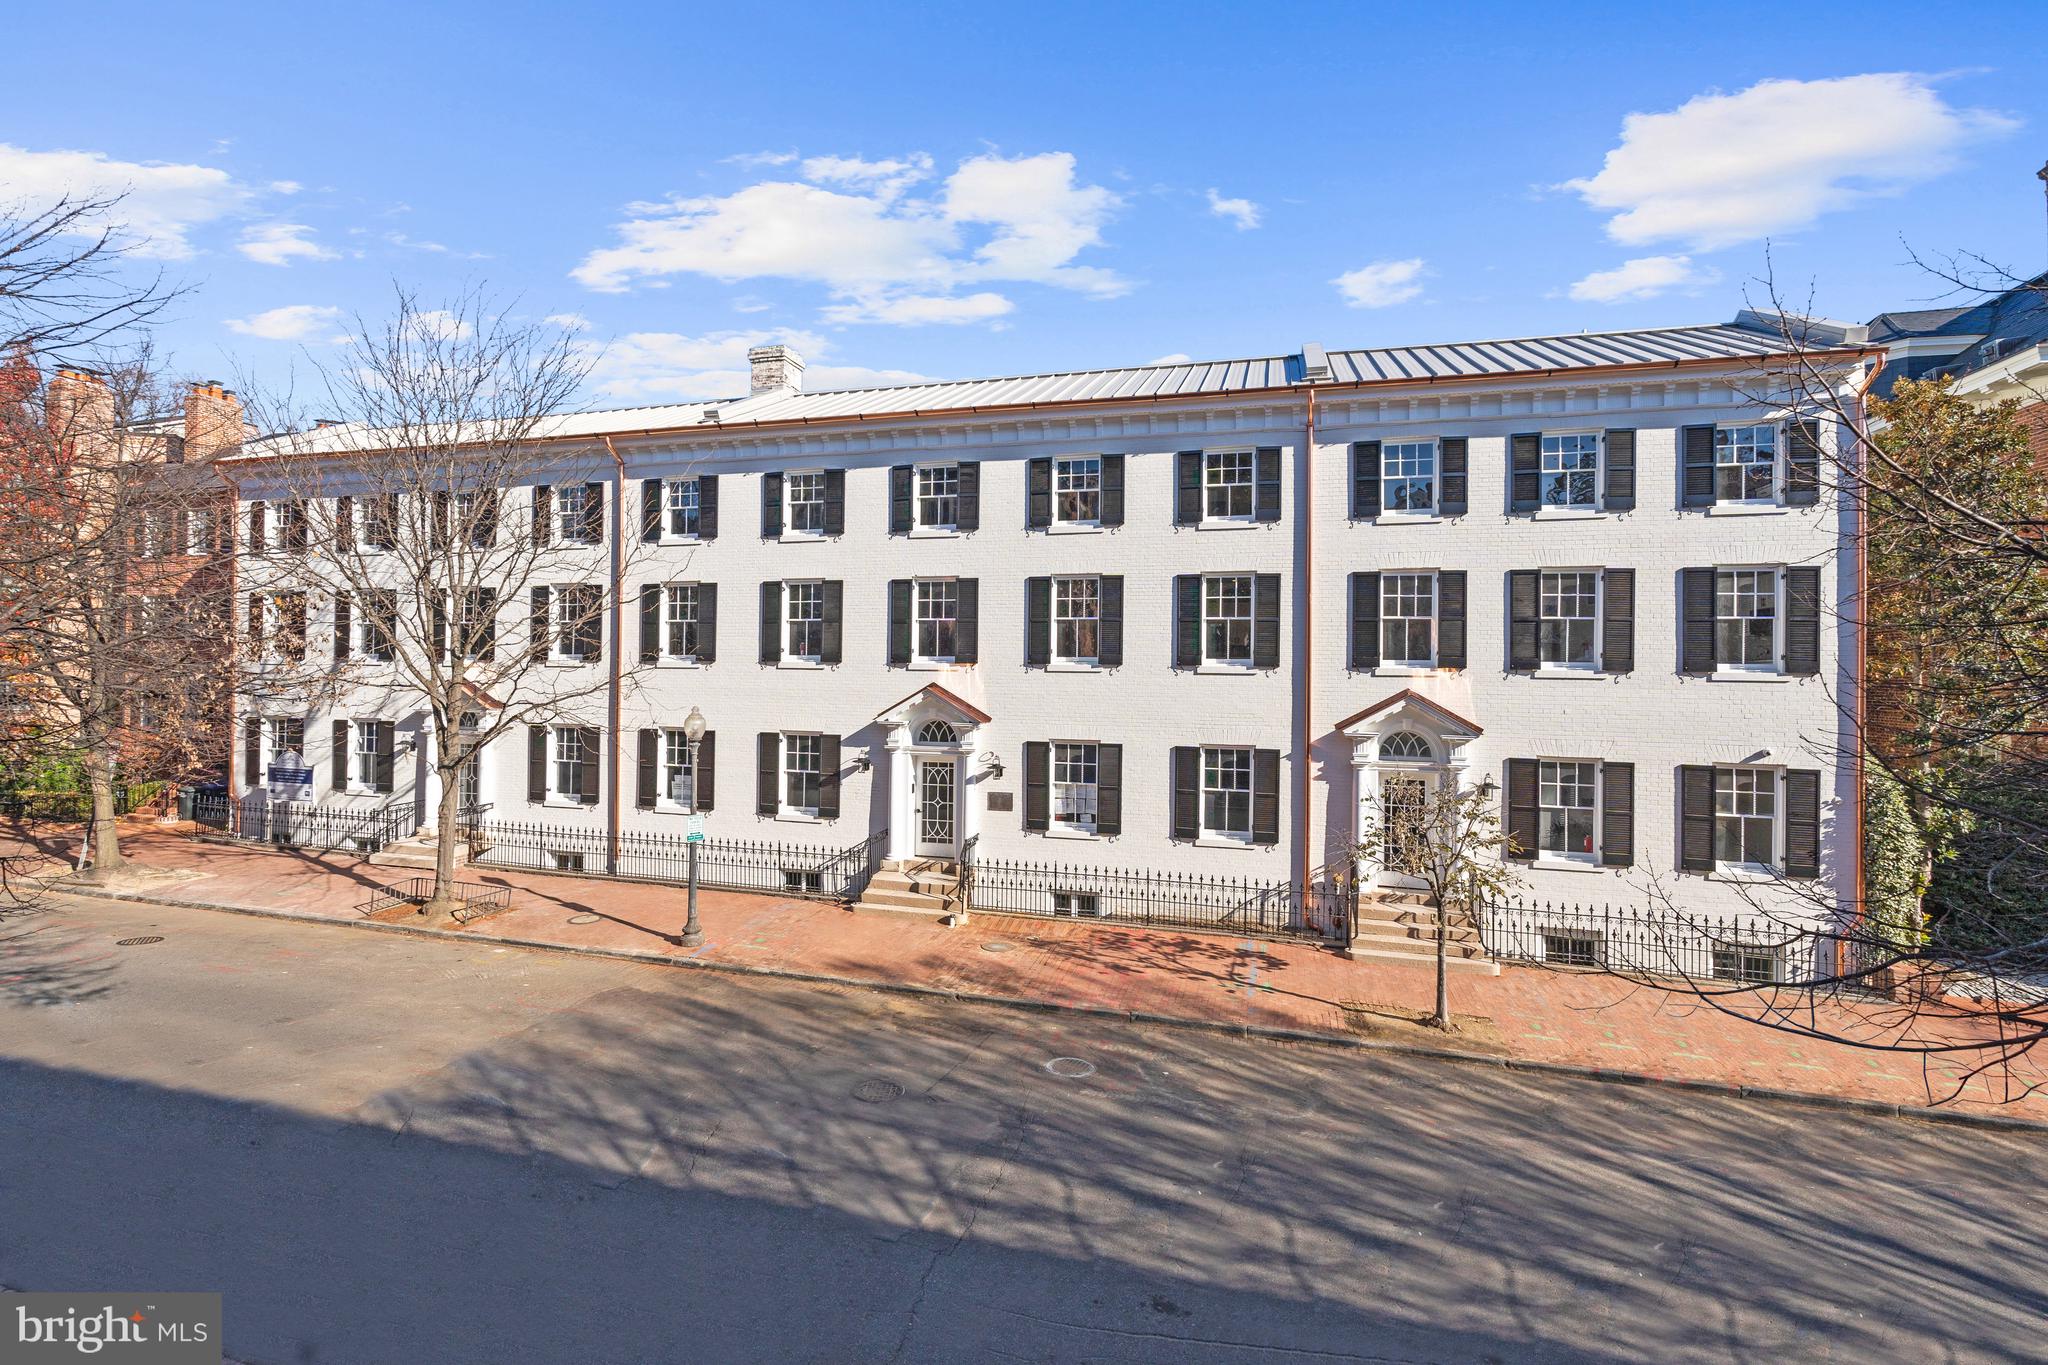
<point>1305,706</point>
<point>1861,664</point>
<point>234,528</point>
<point>616,653</point>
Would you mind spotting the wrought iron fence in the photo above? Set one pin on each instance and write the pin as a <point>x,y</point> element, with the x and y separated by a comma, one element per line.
<point>813,871</point>
<point>1660,943</point>
<point>74,806</point>
<point>300,824</point>
<point>1218,904</point>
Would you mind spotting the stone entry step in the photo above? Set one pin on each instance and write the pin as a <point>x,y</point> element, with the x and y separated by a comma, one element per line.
<point>1401,926</point>
<point>416,852</point>
<point>916,886</point>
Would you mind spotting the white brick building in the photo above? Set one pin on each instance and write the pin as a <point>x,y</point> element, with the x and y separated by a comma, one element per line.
<point>1114,619</point>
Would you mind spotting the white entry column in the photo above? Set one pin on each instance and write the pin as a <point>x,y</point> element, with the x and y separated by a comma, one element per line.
<point>902,802</point>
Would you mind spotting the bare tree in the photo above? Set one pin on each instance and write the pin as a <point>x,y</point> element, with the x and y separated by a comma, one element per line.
<point>442,542</point>
<point>63,289</point>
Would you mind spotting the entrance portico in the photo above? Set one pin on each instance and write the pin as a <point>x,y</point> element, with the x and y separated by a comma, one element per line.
<point>933,739</point>
<point>1402,749</point>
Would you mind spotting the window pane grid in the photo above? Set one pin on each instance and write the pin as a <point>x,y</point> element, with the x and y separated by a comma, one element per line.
<point>1570,466</point>
<point>1745,463</point>
<point>1569,603</point>
<point>682,504</point>
<point>1565,800</point>
<point>806,614</point>
<point>678,777</point>
<point>1227,618</point>
<point>1227,792</point>
<point>801,756</point>
<point>1409,472</point>
<point>1077,490</point>
<point>1229,484</point>
<point>568,761</point>
<point>938,496</point>
<point>806,494</point>
<point>682,620</point>
<point>569,504</point>
<point>1077,615</point>
<point>1745,815</point>
<point>1074,786</point>
<point>938,616</point>
<point>1745,618</point>
<point>1408,618</point>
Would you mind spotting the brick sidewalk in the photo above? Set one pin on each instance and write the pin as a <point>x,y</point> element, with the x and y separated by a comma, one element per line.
<point>1528,1013</point>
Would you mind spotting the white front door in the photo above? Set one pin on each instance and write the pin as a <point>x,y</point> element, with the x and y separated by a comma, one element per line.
<point>937,807</point>
<point>1402,797</point>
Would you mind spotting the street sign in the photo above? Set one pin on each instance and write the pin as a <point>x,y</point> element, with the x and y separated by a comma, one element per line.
<point>696,830</point>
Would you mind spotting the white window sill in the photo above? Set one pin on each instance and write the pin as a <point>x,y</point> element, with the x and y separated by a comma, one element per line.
<point>664,806</point>
<point>1568,514</point>
<point>1056,831</point>
<point>1565,865</point>
<point>1747,509</point>
<point>1406,519</point>
<point>799,663</point>
<point>360,791</point>
<point>1404,670</point>
<point>1075,528</point>
<point>1223,841</point>
<point>800,537</point>
<point>675,540</point>
<point>1216,670</point>
<point>932,665</point>
<point>1743,676</point>
<point>1073,666</point>
<point>935,533</point>
<point>677,661</point>
<point>566,661</point>
<point>799,817</point>
<point>556,801</point>
<point>1226,524</point>
<point>1557,674</point>
<point>1743,872</point>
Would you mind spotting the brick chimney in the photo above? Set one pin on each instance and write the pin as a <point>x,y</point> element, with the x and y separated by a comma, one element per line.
<point>213,420</point>
<point>79,406</point>
<point>777,369</point>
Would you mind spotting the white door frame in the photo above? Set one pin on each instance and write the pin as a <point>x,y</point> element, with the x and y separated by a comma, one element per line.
<point>921,760</point>
<point>1432,777</point>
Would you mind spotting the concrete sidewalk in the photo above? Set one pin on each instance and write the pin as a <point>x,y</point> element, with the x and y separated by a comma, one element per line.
<point>1527,1015</point>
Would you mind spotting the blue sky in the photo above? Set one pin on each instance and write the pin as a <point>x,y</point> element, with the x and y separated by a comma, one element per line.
<point>924,191</point>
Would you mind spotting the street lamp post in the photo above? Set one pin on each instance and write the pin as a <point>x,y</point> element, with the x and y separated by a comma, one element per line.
<point>693,735</point>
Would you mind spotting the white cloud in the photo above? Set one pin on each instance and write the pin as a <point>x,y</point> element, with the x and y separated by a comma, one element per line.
<point>162,203</point>
<point>295,322</point>
<point>881,252</point>
<point>568,322</point>
<point>281,244</point>
<point>1723,169</point>
<point>439,324</point>
<point>1381,284</point>
<point>1177,358</point>
<point>1242,212</point>
<point>1643,278</point>
<point>285,187</point>
<point>656,366</point>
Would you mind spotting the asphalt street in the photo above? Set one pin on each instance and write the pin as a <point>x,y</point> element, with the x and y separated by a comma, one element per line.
<point>388,1150</point>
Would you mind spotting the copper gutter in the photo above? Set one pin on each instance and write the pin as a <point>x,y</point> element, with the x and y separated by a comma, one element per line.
<point>1305,698</point>
<point>616,654</point>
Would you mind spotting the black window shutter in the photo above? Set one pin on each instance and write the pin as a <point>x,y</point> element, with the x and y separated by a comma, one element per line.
<point>1618,814</point>
<point>1696,623</point>
<point>1522,808</point>
<point>899,622</point>
<point>1037,622</point>
<point>705,779</point>
<point>1266,484</point>
<point>345,522</point>
<point>1109,789</point>
<point>1695,819</point>
<point>967,626</point>
<point>543,515</point>
<point>437,533</point>
<point>487,624</point>
<point>707,623</point>
<point>767,773</point>
<point>707,507</point>
<point>1618,621</point>
<point>645,786</point>
<point>343,622</point>
<point>1038,494</point>
<point>590,611</point>
<point>833,610</point>
<point>437,613</point>
<point>1802,463</point>
<point>1365,480</point>
<point>1037,807</point>
<point>1525,471</point>
<point>650,509</point>
<point>537,625</point>
<point>1109,627</point>
<point>899,500</point>
<point>339,742</point>
<point>1620,493</point>
<point>1112,490</point>
<point>1266,620</point>
<point>484,530</point>
<point>1524,611</point>
<point>1696,445</point>
<point>1365,621</point>
<point>828,777</point>
<point>1187,618</point>
<point>835,502</point>
<point>1802,822</point>
<point>1802,620</point>
<point>252,750</point>
<point>258,541</point>
<point>386,759</point>
<point>1187,792</point>
<point>1452,452</point>
<point>593,512</point>
<point>771,505</point>
<point>1187,488</point>
<point>771,622</point>
<point>536,762</point>
<point>593,762</point>
<point>650,622</point>
<point>1265,796</point>
<point>968,518</point>
<point>1450,619</point>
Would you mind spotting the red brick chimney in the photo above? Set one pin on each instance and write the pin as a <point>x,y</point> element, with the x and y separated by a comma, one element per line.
<point>213,420</point>
<point>79,407</point>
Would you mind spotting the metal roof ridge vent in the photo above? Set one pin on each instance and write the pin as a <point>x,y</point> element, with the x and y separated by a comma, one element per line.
<point>1315,363</point>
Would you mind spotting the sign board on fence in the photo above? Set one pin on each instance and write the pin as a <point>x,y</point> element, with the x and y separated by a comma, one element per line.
<point>289,777</point>
<point>695,834</point>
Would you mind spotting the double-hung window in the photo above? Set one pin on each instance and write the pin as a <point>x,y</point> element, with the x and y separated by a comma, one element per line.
<point>1756,964</point>
<point>679,508</point>
<point>1227,485</point>
<point>1408,477</point>
<point>1074,787</point>
<point>1227,619</point>
<point>678,774</point>
<point>937,619</point>
<point>1408,619</point>
<point>804,495</point>
<point>568,765</point>
<point>1567,636</point>
<point>362,773</point>
<point>1566,796</point>
<point>380,624</point>
<point>1746,619</point>
<point>802,764</point>
<point>1227,794</point>
<point>1746,818</point>
<point>1077,491</point>
<point>679,621</point>
<point>938,497</point>
<point>572,517</point>
<point>579,625</point>
<point>1570,471</point>
<point>476,623</point>
<point>1076,618</point>
<point>1746,464</point>
<point>804,614</point>
<point>287,735</point>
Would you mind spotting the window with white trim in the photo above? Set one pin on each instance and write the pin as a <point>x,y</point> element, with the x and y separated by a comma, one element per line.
<point>802,881</point>
<point>1408,619</point>
<point>1746,464</point>
<point>678,775</point>
<point>1746,818</point>
<point>1567,794</point>
<point>565,774</point>
<point>1227,619</point>
<point>286,734</point>
<point>378,624</point>
<point>1757,964</point>
<point>1408,476</point>
<point>578,623</point>
<point>572,511</point>
<point>1076,619</point>
<point>1572,948</point>
<point>1227,485</point>
<point>1746,620</point>
<point>679,508</point>
<point>1570,470</point>
<point>937,501</point>
<point>1074,786</point>
<point>362,770</point>
<point>1567,632</point>
<point>937,618</point>
<point>802,767</point>
<point>804,612</point>
<point>804,503</point>
<point>1078,904</point>
<point>1077,490</point>
<point>679,621</point>
<point>567,862</point>
<point>1227,794</point>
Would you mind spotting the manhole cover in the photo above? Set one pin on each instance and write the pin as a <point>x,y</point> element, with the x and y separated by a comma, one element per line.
<point>138,942</point>
<point>877,1092</point>
<point>998,946</point>
<point>1073,1068</point>
<point>584,919</point>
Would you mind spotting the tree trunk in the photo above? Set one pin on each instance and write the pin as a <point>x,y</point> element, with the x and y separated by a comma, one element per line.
<point>447,829</point>
<point>107,858</point>
<point>1443,965</point>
